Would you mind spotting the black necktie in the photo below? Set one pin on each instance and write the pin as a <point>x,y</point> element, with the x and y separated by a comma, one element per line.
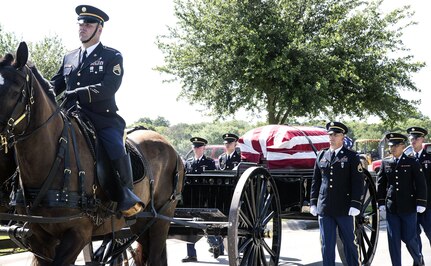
<point>332,156</point>
<point>84,56</point>
<point>417,155</point>
<point>396,160</point>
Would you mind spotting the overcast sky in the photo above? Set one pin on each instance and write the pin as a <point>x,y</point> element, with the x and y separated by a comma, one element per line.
<point>132,29</point>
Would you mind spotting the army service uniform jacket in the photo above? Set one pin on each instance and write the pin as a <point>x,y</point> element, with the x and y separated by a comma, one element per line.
<point>194,166</point>
<point>401,187</point>
<point>98,77</point>
<point>425,162</point>
<point>337,185</point>
<point>226,163</point>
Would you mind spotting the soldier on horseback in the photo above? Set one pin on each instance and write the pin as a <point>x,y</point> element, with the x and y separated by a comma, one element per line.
<point>89,78</point>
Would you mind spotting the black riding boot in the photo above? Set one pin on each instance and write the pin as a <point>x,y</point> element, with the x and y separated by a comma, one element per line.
<point>129,204</point>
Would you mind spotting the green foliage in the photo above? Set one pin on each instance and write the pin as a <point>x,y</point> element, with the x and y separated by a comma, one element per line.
<point>179,135</point>
<point>363,130</point>
<point>46,54</point>
<point>291,58</point>
<point>8,42</point>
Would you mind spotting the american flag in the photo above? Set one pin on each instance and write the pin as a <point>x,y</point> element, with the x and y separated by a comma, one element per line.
<point>283,146</point>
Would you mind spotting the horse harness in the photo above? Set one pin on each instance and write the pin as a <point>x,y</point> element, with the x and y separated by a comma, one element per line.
<point>32,198</point>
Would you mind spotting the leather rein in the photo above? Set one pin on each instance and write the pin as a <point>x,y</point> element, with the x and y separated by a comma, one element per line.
<point>21,110</point>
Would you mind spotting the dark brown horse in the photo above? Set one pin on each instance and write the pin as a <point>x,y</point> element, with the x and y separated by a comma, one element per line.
<point>7,169</point>
<point>36,126</point>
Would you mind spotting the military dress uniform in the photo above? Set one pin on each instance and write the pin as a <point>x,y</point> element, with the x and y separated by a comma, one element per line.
<point>424,159</point>
<point>96,80</point>
<point>229,162</point>
<point>91,82</point>
<point>401,188</point>
<point>197,166</point>
<point>337,186</point>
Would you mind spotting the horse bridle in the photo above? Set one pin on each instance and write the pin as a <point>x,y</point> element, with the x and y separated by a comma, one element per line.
<point>21,110</point>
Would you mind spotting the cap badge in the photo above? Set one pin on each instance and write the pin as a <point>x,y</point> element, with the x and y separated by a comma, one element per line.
<point>84,9</point>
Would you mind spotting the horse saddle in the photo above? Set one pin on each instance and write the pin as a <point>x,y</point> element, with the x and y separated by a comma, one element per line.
<point>105,172</point>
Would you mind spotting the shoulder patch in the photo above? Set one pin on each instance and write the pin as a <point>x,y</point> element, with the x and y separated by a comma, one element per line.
<point>117,70</point>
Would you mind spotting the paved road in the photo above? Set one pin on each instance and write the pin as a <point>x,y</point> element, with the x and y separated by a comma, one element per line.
<point>300,246</point>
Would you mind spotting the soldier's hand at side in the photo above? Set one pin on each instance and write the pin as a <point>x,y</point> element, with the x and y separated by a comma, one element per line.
<point>313,210</point>
<point>420,209</point>
<point>353,211</point>
<point>382,208</point>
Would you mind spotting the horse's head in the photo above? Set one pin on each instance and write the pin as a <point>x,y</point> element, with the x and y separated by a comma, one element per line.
<point>15,89</point>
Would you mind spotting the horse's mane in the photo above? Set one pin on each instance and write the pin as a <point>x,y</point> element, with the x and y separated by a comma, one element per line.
<point>6,60</point>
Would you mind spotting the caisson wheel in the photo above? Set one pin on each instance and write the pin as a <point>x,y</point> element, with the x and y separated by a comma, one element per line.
<point>254,233</point>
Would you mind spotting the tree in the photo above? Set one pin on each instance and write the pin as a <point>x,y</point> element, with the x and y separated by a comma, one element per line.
<point>8,42</point>
<point>45,54</point>
<point>287,58</point>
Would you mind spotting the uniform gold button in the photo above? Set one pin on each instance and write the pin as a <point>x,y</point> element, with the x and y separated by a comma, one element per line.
<point>398,189</point>
<point>330,179</point>
<point>396,177</point>
<point>79,74</point>
<point>77,83</point>
<point>330,186</point>
<point>107,111</point>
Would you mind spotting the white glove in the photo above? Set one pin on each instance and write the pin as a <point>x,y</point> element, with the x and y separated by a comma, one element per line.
<point>353,211</point>
<point>382,208</point>
<point>420,209</point>
<point>313,210</point>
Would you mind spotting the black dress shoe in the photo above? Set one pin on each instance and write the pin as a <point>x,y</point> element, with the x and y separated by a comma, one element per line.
<point>211,250</point>
<point>216,252</point>
<point>189,259</point>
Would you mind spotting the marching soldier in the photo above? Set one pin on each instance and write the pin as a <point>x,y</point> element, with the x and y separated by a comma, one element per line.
<point>197,165</point>
<point>336,192</point>
<point>416,137</point>
<point>401,192</point>
<point>89,77</point>
<point>231,158</point>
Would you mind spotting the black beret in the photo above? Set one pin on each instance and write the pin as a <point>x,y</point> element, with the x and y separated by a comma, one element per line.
<point>91,14</point>
<point>336,127</point>
<point>417,131</point>
<point>230,137</point>
<point>395,138</point>
<point>198,142</point>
